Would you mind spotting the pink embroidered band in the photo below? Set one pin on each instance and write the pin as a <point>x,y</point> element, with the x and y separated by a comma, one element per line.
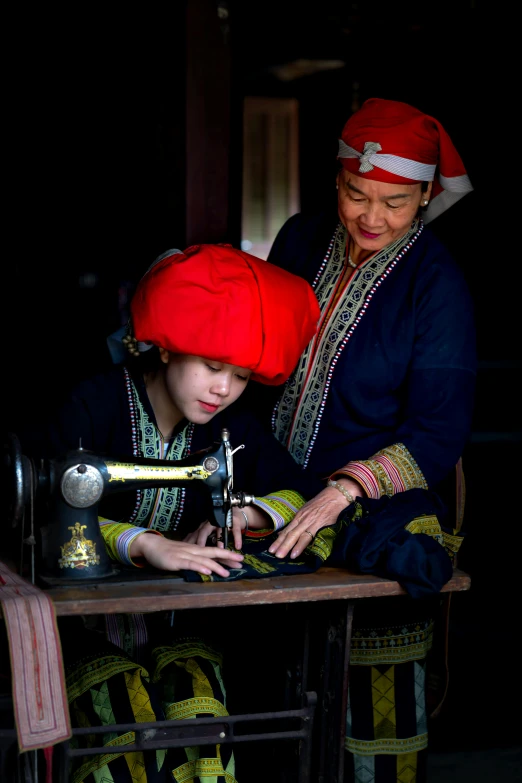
<point>38,682</point>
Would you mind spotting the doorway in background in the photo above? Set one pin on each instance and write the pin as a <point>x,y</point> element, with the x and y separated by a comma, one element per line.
<point>270,170</point>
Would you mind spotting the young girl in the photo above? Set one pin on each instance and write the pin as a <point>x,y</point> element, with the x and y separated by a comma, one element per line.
<point>204,323</point>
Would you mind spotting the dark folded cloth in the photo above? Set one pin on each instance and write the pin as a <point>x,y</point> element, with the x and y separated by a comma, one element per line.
<point>369,537</point>
<point>259,562</point>
<point>373,539</point>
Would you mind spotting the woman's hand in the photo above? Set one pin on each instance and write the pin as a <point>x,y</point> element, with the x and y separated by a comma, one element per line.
<point>168,555</point>
<point>319,512</point>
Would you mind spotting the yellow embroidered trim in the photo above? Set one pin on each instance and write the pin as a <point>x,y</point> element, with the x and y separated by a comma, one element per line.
<point>190,649</point>
<point>322,544</point>
<point>407,767</point>
<point>288,498</point>
<point>430,526</point>
<point>97,763</point>
<point>393,747</point>
<point>383,702</point>
<point>189,708</point>
<point>202,768</point>
<point>281,506</point>
<point>94,765</point>
<point>414,652</point>
<point>139,698</point>
<point>260,566</point>
<point>427,523</point>
<point>95,672</point>
<point>200,684</point>
<point>111,531</point>
<point>374,646</point>
<point>452,543</point>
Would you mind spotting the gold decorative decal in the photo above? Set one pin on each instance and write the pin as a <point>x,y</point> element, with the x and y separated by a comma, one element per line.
<point>128,471</point>
<point>79,552</point>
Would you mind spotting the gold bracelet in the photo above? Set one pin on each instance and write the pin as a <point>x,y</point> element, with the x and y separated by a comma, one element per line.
<point>245,516</point>
<point>342,489</point>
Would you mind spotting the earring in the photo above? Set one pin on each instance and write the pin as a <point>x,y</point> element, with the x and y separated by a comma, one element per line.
<point>425,202</point>
<point>131,344</point>
<point>337,187</point>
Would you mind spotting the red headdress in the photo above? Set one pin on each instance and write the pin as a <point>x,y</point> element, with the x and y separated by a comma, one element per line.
<point>226,305</point>
<point>390,141</point>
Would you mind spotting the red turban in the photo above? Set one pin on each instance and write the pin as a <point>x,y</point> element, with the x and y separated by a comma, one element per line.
<point>226,305</point>
<point>390,141</point>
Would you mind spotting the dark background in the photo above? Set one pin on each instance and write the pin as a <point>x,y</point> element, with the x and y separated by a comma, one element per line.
<point>123,138</point>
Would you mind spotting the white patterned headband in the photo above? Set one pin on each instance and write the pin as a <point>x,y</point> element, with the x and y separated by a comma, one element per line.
<point>403,167</point>
<point>445,194</point>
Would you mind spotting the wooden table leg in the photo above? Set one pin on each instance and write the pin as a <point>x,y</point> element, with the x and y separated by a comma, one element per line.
<point>333,689</point>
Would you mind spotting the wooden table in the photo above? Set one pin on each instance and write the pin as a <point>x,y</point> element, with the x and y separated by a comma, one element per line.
<point>338,588</point>
<point>333,591</point>
<point>326,584</point>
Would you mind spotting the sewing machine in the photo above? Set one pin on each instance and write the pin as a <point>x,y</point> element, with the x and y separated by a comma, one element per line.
<point>73,485</point>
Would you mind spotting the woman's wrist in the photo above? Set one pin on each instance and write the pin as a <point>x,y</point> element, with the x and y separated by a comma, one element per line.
<point>342,487</point>
<point>350,483</point>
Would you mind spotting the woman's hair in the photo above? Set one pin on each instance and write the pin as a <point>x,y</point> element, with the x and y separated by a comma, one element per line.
<point>145,362</point>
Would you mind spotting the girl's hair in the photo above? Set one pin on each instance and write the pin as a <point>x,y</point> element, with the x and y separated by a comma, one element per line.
<point>148,361</point>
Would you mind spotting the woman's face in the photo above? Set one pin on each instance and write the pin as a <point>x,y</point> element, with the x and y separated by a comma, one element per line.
<point>199,388</point>
<point>377,213</point>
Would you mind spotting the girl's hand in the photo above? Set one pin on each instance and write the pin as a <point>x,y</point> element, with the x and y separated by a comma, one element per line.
<point>257,519</point>
<point>168,555</point>
<point>201,534</point>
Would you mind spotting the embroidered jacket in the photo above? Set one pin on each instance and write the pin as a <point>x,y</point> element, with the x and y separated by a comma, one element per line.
<point>385,392</point>
<point>112,416</point>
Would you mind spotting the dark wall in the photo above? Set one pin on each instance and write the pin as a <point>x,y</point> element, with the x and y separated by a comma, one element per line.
<point>110,165</point>
<point>95,124</point>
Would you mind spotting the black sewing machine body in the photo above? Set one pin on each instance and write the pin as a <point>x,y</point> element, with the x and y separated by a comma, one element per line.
<point>73,485</point>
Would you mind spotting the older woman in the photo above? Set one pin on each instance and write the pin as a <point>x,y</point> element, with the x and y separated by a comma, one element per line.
<point>381,400</point>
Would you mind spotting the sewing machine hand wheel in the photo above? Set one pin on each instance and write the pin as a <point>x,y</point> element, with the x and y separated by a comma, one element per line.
<point>16,479</point>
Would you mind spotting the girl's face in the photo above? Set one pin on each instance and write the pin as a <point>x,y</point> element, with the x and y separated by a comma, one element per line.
<point>377,213</point>
<point>199,388</point>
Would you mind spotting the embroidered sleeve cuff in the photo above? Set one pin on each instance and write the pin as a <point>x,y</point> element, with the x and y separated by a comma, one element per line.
<point>118,537</point>
<point>281,507</point>
<point>388,472</point>
<point>360,473</point>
